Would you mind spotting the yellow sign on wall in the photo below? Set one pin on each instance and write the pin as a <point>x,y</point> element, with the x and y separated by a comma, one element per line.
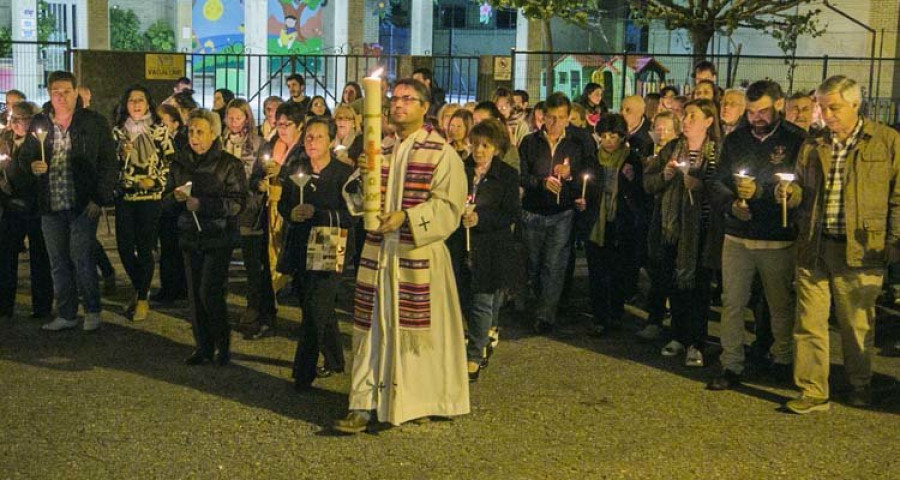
<point>163,66</point>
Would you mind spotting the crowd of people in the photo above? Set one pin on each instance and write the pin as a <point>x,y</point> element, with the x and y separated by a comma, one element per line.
<point>787,205</point>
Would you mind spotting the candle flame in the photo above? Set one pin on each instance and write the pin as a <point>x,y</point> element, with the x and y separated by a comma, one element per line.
<point>377,73</point>
<point>742,173</point>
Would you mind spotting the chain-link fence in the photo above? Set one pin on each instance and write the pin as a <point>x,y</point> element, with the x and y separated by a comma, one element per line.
<point>636,73</point>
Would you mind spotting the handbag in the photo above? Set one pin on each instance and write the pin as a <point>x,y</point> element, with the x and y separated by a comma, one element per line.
<point>327,247</point>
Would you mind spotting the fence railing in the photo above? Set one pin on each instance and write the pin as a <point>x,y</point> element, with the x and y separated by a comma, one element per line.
<point>625,74</point>
<point>256,77</point>
<point>24,66</point>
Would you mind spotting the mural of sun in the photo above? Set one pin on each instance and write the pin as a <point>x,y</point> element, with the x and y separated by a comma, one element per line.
<point>213,10</point>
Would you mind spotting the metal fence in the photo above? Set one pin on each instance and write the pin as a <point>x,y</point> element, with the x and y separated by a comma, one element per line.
<point>25,66</point>
<point>256,77</point>
<point>625,74</point>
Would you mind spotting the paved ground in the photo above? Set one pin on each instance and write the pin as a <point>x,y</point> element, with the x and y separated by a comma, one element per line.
<point>118,403</point>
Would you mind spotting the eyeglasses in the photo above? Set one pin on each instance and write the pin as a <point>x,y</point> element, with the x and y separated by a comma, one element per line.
<point>405,99</point>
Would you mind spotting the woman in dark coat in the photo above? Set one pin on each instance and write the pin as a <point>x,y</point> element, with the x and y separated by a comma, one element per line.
<point>683,239</point>
<point>323,205</point>
<point>207,210</point>
<point>488,266</point>
<point>19,217</point>
<point>612,220</point>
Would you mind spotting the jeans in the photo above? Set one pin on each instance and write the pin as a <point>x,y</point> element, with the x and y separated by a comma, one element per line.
<point>319,329</point>
<point>207,275</point>
<point>260,294</point>
<point>739,266</point>
<point>136,231</point>
<point>549,245</point>
<point>482,316</point>
<point>13,229</point>
<point>171,262</point>
<point>70,239</point>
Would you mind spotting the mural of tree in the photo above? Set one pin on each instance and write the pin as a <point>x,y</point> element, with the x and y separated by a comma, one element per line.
<point>703,18</point>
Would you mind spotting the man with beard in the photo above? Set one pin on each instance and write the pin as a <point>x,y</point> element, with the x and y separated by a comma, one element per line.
<point>755,239</point>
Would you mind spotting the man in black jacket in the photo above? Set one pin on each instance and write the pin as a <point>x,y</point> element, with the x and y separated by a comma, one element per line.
<point>756,240</point>
<point>74,174</point>
<point>553,159</point>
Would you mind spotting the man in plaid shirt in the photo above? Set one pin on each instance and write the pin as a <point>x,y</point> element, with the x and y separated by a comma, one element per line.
<point>847,196</point>
<point>73,175</point>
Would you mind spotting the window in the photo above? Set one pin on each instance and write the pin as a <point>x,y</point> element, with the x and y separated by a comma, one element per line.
<point>575,75</point>
<point>506,18</point>
<point>453,16</point>
<point>563,78</point>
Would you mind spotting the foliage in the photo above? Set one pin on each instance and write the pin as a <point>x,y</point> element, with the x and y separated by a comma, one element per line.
<point>703,18</point>
<point>159,37</point>
<point>573,11</point>
<point>124,30</point>
<point>46,22</point>
<point>787,34</point>
<point>5,42</point>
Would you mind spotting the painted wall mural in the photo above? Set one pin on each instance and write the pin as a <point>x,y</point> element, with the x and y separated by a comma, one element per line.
<point>218,26</point>
<point>295,26</point>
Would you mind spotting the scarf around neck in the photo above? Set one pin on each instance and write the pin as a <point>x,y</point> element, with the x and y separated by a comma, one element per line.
<point>610,163</point>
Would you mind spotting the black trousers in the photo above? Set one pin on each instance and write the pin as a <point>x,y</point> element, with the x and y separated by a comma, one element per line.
<point>260,294</point>
<point>207,275</point>
<point>103,263</point>
<point>319,329</point>
<point>690,307</point>
<point>14,227</point>
<point>611,276</point>
<point>171,262</point>
<point>136,232</point>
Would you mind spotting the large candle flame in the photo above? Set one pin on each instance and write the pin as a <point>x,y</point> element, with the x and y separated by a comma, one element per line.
<point>377,73</point>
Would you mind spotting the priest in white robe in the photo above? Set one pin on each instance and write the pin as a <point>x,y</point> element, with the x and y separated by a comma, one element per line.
<point>408,343</point>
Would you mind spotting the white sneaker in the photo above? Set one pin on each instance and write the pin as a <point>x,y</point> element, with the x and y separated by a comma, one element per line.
<point>58,324</point>
<point>694,357</point>
<point>650,332</point>
<point>672,349</point>
<point>91,322</point>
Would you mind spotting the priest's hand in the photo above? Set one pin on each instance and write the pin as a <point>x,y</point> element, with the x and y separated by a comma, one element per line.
<point>391,221</point>
<point>302,213</point>
<point>470,220</point>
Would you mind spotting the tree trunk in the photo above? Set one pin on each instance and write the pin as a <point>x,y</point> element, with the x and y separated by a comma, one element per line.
<point>548,46</point>
<point>700,43</point>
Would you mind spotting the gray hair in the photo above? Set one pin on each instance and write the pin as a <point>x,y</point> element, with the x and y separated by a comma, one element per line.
<point>215,123</point>
<point>848,88</point>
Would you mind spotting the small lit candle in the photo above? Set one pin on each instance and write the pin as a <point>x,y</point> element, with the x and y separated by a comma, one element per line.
<point>41,135</point>
<point>739,179</point>
<point>186,189</point>
<point>470,208</point>
<point>584,185</point>
<point>300,179</point>
<point>784,180</point>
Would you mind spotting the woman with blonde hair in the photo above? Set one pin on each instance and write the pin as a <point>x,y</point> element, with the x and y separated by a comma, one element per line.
<point>240,139</point>
<point>347,144</point>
